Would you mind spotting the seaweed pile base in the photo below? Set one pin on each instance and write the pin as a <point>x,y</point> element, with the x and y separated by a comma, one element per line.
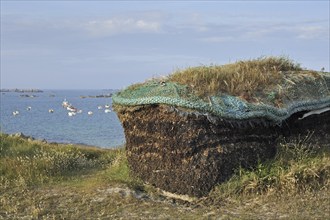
<point>187,153</point>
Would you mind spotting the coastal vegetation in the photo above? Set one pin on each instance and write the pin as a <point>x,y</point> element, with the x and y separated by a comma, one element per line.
<point>41,180</point>
<point>248,76</point>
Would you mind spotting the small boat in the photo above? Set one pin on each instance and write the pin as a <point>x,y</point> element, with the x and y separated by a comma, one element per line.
<point>29,108</point>
<point>65,103</point>
<point>15,113</point>
<point>99,107</point>
<point>90,113</point>
<point>107,110</point>
<point>79,111</point>
<point>107,106</point>
<point>71,114</point>
<point>28,96</point>
<point>71,108</point>
<point>51,110</point>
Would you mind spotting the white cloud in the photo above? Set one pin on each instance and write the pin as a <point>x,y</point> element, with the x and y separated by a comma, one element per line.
<point>266,30</point>
<point>153,58</point>
<point>95,26</point>
<point>311,32</point>
<point>218,39</point>
<point>121,25</point>
<point>293,30</point>
<point>22,52</point>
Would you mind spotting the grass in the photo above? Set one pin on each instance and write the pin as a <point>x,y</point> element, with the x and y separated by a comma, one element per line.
<point>30,163</point>
<point>298,167</point>
<point>49,181</point>
<point>242,78</point>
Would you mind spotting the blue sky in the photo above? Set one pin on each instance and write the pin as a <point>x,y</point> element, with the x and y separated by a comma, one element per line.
<point>112,44</point>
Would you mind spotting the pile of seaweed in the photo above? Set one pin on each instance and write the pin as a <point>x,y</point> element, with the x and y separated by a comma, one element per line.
<point>270,88</point>
<point>193,129</point>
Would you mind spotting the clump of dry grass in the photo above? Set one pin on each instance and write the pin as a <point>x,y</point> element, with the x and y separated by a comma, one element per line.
<point>242,78</point>
<point>299,167</point>
<point>26,163</point>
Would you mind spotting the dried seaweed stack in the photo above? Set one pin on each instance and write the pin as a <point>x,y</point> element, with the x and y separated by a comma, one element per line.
<point>185,140</point>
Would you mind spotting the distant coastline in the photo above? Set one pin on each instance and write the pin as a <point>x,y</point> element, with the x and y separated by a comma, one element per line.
<point>21,90</point>
<point>97,96</point>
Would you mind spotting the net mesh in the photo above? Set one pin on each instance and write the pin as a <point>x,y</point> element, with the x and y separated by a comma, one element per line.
<point>298,93</point>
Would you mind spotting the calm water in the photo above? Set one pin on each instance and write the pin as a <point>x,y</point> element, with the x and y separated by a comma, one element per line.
<point>99,129</point>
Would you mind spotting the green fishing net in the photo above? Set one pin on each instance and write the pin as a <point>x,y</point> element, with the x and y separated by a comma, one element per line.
<point>299,92</point>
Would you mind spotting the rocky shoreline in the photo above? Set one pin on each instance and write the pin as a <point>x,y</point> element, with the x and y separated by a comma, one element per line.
<point>44,141</point>
<point>26,137</point>
<point>22,90</point>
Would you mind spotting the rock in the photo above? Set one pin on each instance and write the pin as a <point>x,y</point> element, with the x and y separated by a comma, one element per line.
<point>31,139</point>
<point>20,135</point>
<point>44,141</point>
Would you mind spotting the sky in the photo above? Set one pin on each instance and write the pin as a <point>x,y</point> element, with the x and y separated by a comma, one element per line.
<point>113,44</point>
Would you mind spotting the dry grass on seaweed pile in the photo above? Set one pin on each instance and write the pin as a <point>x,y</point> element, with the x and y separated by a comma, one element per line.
<point>242,78</point>
<point>50,181</point>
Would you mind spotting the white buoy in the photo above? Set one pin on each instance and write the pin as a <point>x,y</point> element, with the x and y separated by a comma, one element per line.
<point>99,107</point>
<point>71,114</point>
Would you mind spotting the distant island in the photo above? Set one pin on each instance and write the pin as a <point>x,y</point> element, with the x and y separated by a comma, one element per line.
<point>21,90</point>
<point>97,96</point>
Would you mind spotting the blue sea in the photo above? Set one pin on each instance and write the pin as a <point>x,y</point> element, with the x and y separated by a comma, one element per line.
<point>99,129</point>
